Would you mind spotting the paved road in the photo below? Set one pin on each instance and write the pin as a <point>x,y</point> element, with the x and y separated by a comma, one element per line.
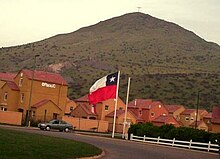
<point>118,149</point>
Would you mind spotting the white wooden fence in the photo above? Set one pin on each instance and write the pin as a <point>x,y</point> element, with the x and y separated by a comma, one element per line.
<point>186,144</point>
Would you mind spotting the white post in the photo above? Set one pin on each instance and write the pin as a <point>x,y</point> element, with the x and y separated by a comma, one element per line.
<point>116,103</point>
<point>126,107</point>
<point>131,137</point>
<point>158,140</point>
<point>173,141</point>
<point>209,145</point>
<point>190,143</point>
<point>144,138</point>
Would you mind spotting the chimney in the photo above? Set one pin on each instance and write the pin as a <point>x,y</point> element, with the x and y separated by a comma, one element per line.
<point>135,102</point>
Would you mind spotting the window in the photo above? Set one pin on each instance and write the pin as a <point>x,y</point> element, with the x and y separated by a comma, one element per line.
<point>192,118</point>
<point>3,109</point>
<point>33,114</point>
<point>187,118</point>
<point>164,114</point>
<point>159,106</point>
<point>22,97</point>
<point>71,108</point>
<point>106,108</point>
<point>120,108</point>
<point>20,82</point>
<point>140,112</point>
<point>152,114</point>
<point>5,96</point>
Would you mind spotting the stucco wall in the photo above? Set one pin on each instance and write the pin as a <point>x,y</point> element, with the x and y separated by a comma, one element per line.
<point>9,117</point>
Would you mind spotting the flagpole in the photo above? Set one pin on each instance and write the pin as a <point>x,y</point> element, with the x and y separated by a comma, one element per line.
<point>116,103</point>
<point>126,107</point>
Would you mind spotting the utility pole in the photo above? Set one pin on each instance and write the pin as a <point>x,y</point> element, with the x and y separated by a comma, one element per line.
<point>197,109</point>
<point>29,103</point>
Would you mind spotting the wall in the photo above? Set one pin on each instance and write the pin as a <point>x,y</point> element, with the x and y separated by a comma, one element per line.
<point>9,117</point>
<point>87,124</point>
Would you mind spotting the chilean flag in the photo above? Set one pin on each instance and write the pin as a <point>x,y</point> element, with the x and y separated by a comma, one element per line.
<point>103,89</point>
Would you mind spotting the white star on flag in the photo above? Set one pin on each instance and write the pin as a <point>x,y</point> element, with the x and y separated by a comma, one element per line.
<point>112,79</point>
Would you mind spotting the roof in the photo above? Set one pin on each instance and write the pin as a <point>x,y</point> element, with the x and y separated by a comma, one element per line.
<point>118,113</point>
<point>7,76</point>
<point>140,103</point>
<point>172,108</point>
<point>188,111</point>
<point>198,123</point>
<point>216,114</point>
<point>88,109</point>
<point>12,85</point>
<point>45,76</point>
<point>162,119</point>
<point>208,116</point>
<point>83,99</point>
<point>42,102</point>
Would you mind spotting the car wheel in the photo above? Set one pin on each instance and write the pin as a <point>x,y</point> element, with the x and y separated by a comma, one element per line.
<point>66,129</point>
<point>47,128</point>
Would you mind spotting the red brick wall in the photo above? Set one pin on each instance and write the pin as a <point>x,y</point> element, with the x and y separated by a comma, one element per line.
<point>9,117</point>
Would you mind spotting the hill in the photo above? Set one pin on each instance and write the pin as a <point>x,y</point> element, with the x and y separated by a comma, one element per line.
<point>165,61</point>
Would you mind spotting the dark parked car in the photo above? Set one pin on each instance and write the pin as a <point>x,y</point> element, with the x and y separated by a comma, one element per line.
<point>56,124</point>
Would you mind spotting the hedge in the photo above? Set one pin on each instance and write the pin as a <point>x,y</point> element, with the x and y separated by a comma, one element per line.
<point>170,132</point>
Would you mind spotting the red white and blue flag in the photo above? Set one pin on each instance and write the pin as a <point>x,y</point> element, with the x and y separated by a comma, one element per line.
<point>103,89</point>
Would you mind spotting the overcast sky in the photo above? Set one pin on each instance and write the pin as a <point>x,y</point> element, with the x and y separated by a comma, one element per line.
<point>25,21</point>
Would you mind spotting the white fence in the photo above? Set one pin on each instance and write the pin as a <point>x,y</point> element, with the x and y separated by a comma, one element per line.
<point>186,144</point>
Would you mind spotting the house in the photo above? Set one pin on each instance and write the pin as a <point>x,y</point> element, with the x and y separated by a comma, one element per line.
<point>207,119</point>
<point>162,120</point>
<point>42,93</point>
<point>70,106</point>
<point>120,116</point>
<point>188,116</point>
<point>215,119</point>
<point>175,110</point>
<point>147,109</point>
<point>201,125</point>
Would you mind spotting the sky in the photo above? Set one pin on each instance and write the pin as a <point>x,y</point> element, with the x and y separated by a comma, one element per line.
<point>26,21</point>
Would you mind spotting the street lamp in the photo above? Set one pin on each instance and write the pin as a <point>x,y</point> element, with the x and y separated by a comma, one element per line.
<point>29,103</point>
<point>197,109</point>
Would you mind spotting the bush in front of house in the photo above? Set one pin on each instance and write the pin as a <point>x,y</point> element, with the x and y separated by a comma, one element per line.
<point>170,132</point>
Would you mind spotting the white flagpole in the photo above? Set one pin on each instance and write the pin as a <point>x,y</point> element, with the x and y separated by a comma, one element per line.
<point>116,103</point>
<point>126,107</point>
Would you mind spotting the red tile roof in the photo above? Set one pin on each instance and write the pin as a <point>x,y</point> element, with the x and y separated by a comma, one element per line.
<point>42,102</point>
<point>173,108</point>
<point>216,115</point>
<point>7,76</point>
<point>118,113</point>
<point>141,103</point>
<point>208,116</point>
<point>162,119</point>
<point>188,111</point>
<point>88,109</point>
<point>45,76</point>
<point>83,99</point>
<point>12,85</point>
<point>198,123</point>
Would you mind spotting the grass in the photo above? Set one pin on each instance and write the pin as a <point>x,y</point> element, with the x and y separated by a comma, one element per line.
<point>20,145</point>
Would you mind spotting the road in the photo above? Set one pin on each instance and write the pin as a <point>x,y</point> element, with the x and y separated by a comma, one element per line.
<point>118,149</point>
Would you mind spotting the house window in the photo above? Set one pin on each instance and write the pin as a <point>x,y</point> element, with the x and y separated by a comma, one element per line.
<point>187,118</point>
<point>120,108</point>
<point>22,97</point>
<point>71,108</point>
<point>5,96</point>
<point>164,114</point>
<point>21,74</point>
<point>152,114</point>
<point>159,106</point>
<point>33,114</point>
<point>106,108</point>
<point>192,118</point>
<point>140,112</point>
<point>3,109</point>
<point>20,82</point>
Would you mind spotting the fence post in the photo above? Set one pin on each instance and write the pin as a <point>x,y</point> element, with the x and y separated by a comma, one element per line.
<point>158,140</point>
<point>173,141</point>
<point>190,143</point>
<point>144,138</point>
<point>209,145</point>
<point>131,137</point>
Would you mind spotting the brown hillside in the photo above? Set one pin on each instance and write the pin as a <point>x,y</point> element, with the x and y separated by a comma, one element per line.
<point>166,62</point>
